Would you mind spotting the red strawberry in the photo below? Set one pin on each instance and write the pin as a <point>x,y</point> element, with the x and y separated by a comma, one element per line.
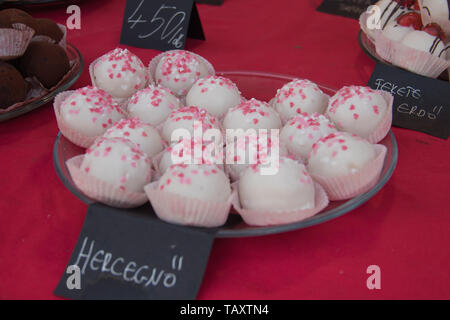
<point>410,19</point>
<point>416,6</point>
<point>435,30</point>
<point>406,3</point>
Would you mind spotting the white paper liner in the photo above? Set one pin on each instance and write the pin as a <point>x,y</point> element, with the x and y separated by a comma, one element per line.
<point>74,136</point>
<point>352,185</point>
<point>420,62</point>
<point>266,218</point>
<point>61,43</point>
<point>14,41</point>
<point>385,125</point>
<point>426,19</point>
<point>102,191</point>
<point>154,63</point>
<point>182,210</point>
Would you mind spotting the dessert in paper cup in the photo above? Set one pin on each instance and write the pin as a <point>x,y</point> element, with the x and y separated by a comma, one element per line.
<point>62,42</point>
<point>363,111</point>
<point>14,41</point>
<point>346,165</point>
<point>113,171</point>
<point>120,73</point>
<point>436,11</point>
<point>178,70</point>
<point>286,195</point>
<point>85,114</point>
<point>194,195</point>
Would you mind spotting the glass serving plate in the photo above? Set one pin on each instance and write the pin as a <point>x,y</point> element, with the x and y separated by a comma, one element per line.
<point>261,86</point>
<point>369,47</point>
<point>74,56</point>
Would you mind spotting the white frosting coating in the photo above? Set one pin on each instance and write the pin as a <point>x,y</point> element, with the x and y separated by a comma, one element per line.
<point>437,9</point>
<point>251,150</point>
<point>420,40</point>
<point>215,94</point>
<point>395,31</point>
<point>178,70</point>
<point>153,104</point>
<point>299,96</point>
<point>301,132</point>
<point>119,162</point>
<point>357,110</point>
<point>120,73</point>
<point>252,114</point>
<point>340,154</point>
<point>90,111</point>
<point>291,188</point>
<point>142,134</point>
<point>203,181</point>
<point>188,118</point>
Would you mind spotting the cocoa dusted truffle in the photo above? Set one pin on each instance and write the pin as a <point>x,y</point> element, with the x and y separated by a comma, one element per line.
<point>49,28</point>
<point>13,88</point>
<point>45,61</point>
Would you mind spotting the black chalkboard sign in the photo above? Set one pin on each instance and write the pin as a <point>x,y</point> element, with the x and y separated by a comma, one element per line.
<point>420,103</point>
<point>131,254</point>
<point>213,2</point>
<point>346,8</point>
<point>160,24</point>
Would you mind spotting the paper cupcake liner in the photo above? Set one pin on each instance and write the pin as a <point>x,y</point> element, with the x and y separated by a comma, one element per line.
<point>265,218</point>
<point>71,134</point>
<point>61,43</point>
<point>102,191</point>
<point>154,63</point>
<point>181,210</point>
<point>426,19</point>
<point>14,41</point>
<point>385,125</point>
<point>420,62</point>
<point>352,185</point>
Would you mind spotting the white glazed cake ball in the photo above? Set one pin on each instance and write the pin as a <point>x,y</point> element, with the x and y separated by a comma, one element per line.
<point>153,104</point>
<point>420,40</point>
<point>390,10</point>
<point>340,154</point>
<point>396,32</point>
<point>142,134</point>
<point>120,73</point>
<point>291,188</point>
<point>215,94</point>
<point>90,111</point>
<point>252,150</point>
<point>252,114</point>
<point>436,9</point>
<point>189,151</point>
<point>300,133</point>
<point>190,118</point>
<point>179,69</point>
<point>203,182</point>
<point>298,97</point>
<point>357,110</point>
<point>118,162</point>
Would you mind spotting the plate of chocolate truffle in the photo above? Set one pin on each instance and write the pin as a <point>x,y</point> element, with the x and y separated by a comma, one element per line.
<point>247,153</point>
<point>36,62</point>
<point>411,34</point>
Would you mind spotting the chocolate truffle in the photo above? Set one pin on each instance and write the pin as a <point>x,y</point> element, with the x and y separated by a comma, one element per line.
<point>13,88</point>
<point>45,61</point>
<point>49,28</point>
<point>10,16</point>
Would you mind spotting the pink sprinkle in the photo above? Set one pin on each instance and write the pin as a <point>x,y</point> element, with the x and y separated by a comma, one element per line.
<point>355,116</point>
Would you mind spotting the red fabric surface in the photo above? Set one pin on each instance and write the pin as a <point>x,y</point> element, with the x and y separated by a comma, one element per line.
<point>404,229</point>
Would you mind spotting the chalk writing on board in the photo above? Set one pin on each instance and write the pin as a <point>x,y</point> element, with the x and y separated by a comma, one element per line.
<point>169,30</point>
<point>402,91</point>
<point>96,259</point>
<point>419,112</point>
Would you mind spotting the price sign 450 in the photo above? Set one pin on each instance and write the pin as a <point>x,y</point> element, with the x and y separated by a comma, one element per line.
<point>166,23</point>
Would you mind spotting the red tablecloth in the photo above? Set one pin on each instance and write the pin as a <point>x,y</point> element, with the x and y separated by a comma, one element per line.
<point>404,229</point>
